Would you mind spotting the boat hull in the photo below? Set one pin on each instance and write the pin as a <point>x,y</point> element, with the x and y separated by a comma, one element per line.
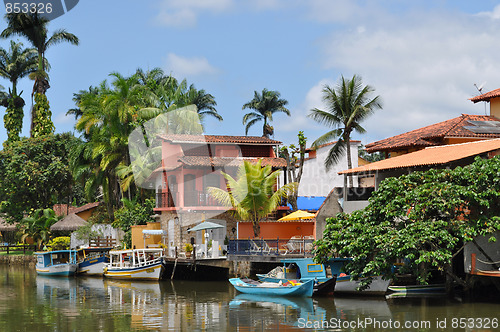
<point>419,289</point>
<point>305,289</point>
<point>324,286</point>
<point>148,272</point>
<point>344,285</point>
<point>92,267</point>
<point>62,270</point>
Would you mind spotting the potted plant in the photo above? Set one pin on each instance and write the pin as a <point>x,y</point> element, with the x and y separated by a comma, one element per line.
<point>188,248</point>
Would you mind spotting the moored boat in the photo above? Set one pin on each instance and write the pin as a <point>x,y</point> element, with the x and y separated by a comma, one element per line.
<point>435,288</point>
<point>303,269</point>
<point>272,288</point>
<point>345,285</point>
<point>91,260</point>
<point>56,263</point>
<point>145,264</point>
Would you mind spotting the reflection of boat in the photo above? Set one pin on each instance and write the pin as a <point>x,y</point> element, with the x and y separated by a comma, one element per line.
<point>306,269</point>
<point>91,261</point>
<point>302,303</point>
<point>272,288</point>
<point>134,264</point>
<point>344,284</point>
<point>436,288</point>
<point>351,308</point>
<point>56,263</point>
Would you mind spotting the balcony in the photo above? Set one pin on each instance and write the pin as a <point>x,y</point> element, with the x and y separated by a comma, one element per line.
<point>192,198</point>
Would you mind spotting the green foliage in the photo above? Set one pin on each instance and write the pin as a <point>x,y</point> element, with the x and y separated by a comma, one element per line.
<point>34,174</point>
<point>37,225</point>
<point>59,243</point>
<point>423,217</point>
<point>252,194</point>
<point>133,213</point>
<point>42,122</point>
<point>348,105</point>
<point>188,247</point>
<point>265,104</point>
<point>13,120</point>
<point>87,232</point>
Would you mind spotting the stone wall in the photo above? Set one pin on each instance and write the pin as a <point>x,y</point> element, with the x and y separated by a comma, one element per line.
<point>29,260</point>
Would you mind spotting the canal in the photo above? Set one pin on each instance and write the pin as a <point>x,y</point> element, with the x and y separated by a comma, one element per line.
<point>32,303</point>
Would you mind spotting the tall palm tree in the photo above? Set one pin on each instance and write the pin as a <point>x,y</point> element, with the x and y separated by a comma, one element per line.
<point>252,194</point>
<point>265,105</point>
<point>34,28</point>
<point>348,105</point>
<point>15,64</point>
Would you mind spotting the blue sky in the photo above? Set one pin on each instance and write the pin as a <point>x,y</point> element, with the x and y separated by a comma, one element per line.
<point>422,58</point>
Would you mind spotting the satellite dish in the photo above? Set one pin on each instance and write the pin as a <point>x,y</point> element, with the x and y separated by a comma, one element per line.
<point>480,87</point>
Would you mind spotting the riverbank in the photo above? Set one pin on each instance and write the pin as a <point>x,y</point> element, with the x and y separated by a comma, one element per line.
<point>25,260</point>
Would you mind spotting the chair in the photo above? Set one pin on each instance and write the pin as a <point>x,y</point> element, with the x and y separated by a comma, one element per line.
<point>290,247</point>
<point>264,248</point>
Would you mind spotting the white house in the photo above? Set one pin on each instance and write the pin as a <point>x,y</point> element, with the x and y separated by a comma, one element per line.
<point>316,181</point>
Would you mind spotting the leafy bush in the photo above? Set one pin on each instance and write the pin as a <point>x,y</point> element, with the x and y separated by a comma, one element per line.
<point>59,243</point>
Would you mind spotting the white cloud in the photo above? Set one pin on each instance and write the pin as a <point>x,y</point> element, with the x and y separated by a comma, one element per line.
<point>494,14</point>
<point>187,67</point>
<point>422,64</point>
<point>185,13</point>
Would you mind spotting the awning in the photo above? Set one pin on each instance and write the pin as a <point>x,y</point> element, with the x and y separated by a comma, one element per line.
<point>153,232</point>
<point>205,225</point>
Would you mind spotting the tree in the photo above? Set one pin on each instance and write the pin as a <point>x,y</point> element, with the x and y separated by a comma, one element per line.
<point>34,28</point>
<point>265,104</point>
<point>348,105</point>
<point>252,195</point>
<point>423,217</point>
<point>294,172</point>
<point>133,213</point>
<point>15,64</point>
<point>37,226</point>
<point>205,103</point>
<point>34,174</point>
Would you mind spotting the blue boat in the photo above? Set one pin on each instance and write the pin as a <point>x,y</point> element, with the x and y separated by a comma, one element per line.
<point>272,288</point>
<point>303,269</point>
<point>91,260</point>
<point>56,263</point>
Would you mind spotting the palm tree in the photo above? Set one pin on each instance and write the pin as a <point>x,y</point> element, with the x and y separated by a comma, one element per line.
<point>252,194</point>
<point>205,102</point>
<point>34,28</point>
<point>37,226</point>
<point>15,64</point>
<point>348,105</point>
<point>265,105</point>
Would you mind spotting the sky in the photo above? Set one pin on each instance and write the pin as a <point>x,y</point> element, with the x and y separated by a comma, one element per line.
<point>421,57</point>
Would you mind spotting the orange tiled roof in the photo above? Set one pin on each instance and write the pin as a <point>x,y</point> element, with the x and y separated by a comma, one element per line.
<point>432,135</point>
<point>229,162</point>
<point>486,96</point>
<point>182,138</point>
<point>430,156</point>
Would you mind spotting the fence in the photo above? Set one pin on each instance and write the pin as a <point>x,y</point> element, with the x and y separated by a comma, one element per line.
<point>276,247</point>
<point>107,241</point>
<point>9,248</point>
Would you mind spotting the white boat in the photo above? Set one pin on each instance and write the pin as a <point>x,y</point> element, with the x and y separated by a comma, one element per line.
<point>345,285</point>
<point>143,264</point>
<point>56,263</point>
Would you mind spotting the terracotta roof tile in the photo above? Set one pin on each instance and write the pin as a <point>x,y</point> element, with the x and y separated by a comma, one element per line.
<point>486,96</point>
<point>432,135</point>
<point>84,207</point>
<point>430,156</point>
<point>229,162</point>
<point>181,138</point>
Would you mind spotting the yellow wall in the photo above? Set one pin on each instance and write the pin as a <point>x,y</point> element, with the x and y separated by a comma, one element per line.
<point>85,215</point>
<point>138,237</point>
<point>495,107</point>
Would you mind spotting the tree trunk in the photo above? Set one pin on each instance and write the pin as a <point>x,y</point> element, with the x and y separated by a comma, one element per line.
<point>347,140</point>
<point>256,228</point>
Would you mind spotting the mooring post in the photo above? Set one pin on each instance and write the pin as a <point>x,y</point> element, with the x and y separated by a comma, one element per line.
<point>173,270</point>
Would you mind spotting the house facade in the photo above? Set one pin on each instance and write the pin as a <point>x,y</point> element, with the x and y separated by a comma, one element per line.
<point>191,164</point>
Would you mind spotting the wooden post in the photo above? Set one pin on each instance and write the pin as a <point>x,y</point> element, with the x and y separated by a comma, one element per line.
<point>473,264</point>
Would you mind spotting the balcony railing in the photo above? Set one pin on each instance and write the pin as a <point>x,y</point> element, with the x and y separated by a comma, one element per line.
<point>191,198</point>
<point>271,247</point>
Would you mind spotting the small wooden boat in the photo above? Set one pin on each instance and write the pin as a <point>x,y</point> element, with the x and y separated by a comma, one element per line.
<point>303,269</point>
<point>56,263</point>
<point>436,288</point>
<point>91,260</point>
<point>273,288</point>
<point>145,264</point>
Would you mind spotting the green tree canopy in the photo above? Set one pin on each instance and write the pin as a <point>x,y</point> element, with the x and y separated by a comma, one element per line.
<point>423,217</point>
<point>252,194</point>
<point>34,174</point>
<point>349,103</point>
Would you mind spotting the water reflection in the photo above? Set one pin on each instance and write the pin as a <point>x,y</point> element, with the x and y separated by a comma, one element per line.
<point>35,303</point>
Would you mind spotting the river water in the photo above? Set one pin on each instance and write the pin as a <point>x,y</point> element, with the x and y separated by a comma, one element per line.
<point>33,303</point>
